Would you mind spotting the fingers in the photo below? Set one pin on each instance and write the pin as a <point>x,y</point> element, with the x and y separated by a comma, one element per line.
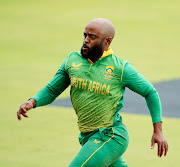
<point>159,138</point>
<point>162,147</point>
<point>152,143</point>
<point>25,115</point>
<point>166,149</point>
<point>19,115</point>
<point>159,149</point>
<point>23,110</point>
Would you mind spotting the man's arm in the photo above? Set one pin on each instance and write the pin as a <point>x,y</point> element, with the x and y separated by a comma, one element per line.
<point>47,94</point>
<point>137,83</point>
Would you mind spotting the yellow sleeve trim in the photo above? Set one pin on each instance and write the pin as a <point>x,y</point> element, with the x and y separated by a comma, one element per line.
<point>123,70</point>
<point>99,148</point>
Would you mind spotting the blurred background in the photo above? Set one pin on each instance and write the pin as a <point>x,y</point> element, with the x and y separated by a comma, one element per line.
<point>35,38</point>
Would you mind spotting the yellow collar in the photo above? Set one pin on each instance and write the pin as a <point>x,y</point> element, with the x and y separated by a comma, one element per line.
<point>105,54</point>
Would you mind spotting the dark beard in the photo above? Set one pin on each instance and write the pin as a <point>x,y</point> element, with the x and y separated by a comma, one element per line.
<point>93,52</point>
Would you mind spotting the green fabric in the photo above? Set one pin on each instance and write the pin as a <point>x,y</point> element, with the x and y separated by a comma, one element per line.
<point>137,83</point>
<point>119,163</point>
<point>97,96</point>
<point>97,90</point>
<point>104,147</point>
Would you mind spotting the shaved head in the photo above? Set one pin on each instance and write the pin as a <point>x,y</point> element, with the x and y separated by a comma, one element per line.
<point>107,28</point>
<point>98,36</point>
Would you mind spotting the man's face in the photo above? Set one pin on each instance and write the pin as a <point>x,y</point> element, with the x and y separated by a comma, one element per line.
<point>93,45</point>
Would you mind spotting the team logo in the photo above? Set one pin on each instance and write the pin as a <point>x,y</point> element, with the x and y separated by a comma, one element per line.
<point>109,72</point>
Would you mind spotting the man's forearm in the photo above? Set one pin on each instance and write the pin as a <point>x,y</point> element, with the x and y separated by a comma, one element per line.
<point>154,105</point>
<point>44,96</point>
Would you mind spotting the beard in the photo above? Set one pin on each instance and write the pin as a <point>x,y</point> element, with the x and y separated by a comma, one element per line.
<point>93,52</point>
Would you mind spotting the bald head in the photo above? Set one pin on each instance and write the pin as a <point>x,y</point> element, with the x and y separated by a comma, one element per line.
<point>105,26</point>
<point>98,36</point>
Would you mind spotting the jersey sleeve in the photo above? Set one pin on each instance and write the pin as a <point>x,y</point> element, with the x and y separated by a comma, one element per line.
<point>137,83</point>
<point>54,88</point>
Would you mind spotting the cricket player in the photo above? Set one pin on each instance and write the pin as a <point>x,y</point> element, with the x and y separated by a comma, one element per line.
<point>98,79</point>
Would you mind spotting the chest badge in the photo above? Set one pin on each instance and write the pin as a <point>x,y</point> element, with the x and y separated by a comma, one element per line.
<point>109,72</point>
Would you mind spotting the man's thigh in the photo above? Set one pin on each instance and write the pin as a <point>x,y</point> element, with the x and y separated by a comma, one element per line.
<point>99,153</point>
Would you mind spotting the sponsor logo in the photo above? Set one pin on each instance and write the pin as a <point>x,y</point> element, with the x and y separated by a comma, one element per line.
<point>95,141</point>
<point>76,66</point>
<point>109,72</point>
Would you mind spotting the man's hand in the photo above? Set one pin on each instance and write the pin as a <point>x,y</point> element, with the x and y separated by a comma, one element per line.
<point>159,138</point>
<point>24,108</point>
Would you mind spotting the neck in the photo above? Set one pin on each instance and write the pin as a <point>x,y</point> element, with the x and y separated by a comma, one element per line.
<point>103,54</point>
<point>95,59</point>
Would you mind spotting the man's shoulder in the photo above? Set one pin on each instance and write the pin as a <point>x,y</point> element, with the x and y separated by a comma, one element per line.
<point>73,59</point>
<point>117,60</point>
<point>75,54</point>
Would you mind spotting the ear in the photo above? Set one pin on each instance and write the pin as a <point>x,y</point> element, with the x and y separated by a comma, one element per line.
<point>109,40</point>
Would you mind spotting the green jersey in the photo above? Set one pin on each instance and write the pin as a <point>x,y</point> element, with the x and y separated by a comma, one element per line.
<point>97,89</point>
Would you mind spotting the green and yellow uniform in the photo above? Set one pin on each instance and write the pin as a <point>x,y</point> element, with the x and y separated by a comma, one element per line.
<point>97,96</point>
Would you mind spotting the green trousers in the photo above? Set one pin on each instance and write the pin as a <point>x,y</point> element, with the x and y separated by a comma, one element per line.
<point>102,148</point>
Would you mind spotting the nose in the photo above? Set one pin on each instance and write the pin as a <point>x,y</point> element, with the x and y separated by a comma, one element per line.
<point>86,39</point>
